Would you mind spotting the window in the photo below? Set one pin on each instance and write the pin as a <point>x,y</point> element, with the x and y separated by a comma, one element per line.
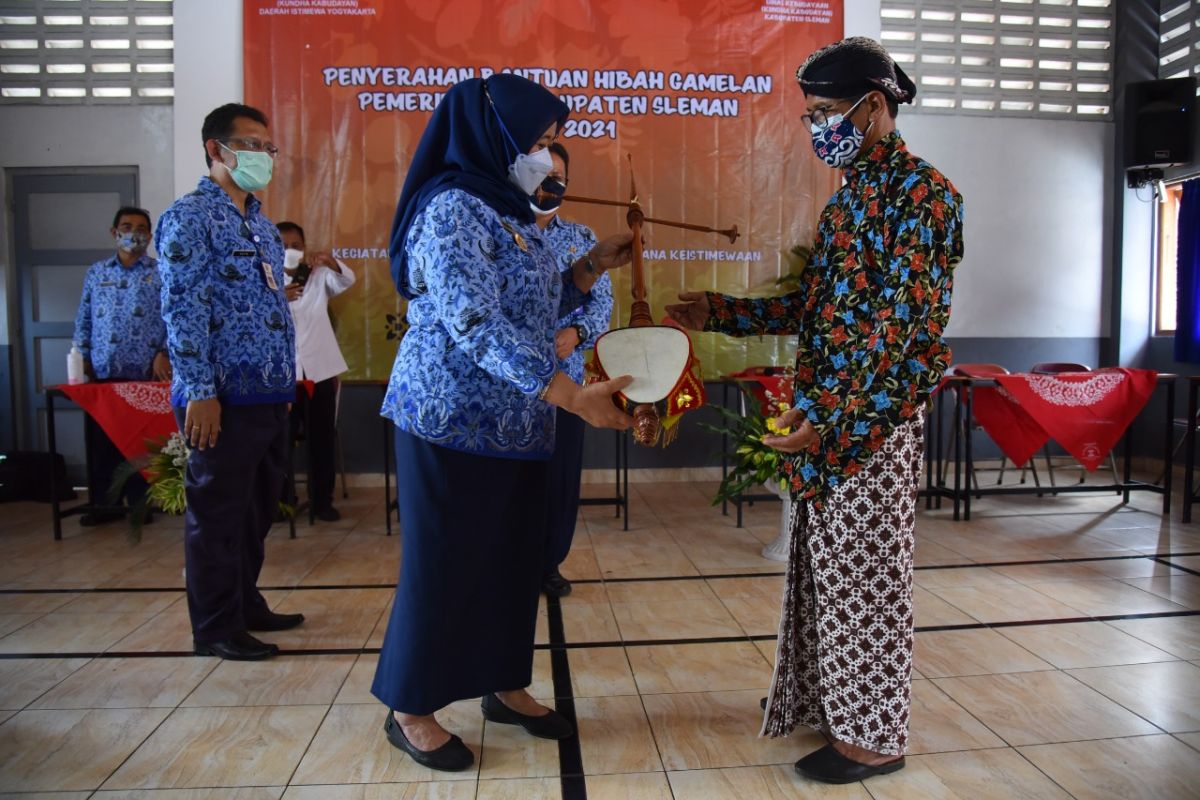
<point>1023,58</point>
<point>86,51</point>
<point>1179,39</point>
<point>1168,230</point>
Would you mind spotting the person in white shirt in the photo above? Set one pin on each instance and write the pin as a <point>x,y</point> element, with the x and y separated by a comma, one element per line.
<point>312,279</point>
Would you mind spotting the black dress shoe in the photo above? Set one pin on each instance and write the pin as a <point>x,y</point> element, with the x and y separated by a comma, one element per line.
<point>453,756</point>
<point>94,518</point>
<point>827,765</point>
<point>273,622</point>
<point>763,704</point>
<point>239,647</point>
<point>327,514</point>
<point>548,726</point>
<point>555,585</point>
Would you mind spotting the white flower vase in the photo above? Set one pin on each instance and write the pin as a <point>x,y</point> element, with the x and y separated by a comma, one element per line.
<point>779,549</point>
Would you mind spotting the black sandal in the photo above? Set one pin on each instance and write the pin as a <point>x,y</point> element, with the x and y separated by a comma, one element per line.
<point>827,765</point>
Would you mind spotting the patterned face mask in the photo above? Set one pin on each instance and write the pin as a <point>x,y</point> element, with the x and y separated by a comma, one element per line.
<point>838,141</point>
<point>132,242</point>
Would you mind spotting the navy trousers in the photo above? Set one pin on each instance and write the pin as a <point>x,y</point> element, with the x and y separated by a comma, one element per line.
<point>473,536</point>
<point>563,501</point>
<point>233,492</point>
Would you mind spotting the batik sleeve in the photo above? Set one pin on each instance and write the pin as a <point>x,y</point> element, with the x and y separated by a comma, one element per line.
<point>756,316</point>
<point>449,254</point>
<point>83,317</point>
<point>186,268</point>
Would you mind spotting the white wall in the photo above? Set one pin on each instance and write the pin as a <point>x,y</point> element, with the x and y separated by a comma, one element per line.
<point>208,73</point>
<point>1036,226</point>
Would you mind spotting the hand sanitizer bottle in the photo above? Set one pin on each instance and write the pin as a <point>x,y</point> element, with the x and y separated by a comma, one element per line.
<point>75,372</point>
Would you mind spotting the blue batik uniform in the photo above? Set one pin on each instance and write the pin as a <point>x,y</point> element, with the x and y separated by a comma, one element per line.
<point>231,338</point>
<point>473,439</point>
<point>570,241</point>
<point>480,347</point>
<point>119,326</point>
<point>229,331</point>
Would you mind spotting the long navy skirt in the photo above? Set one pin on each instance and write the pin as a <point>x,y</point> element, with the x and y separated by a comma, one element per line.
<point>566,467</point>
<point>473,543</point>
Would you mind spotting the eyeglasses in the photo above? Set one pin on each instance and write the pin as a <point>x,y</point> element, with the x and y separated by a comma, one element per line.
<point>253,145</point>
<point>821,118</point>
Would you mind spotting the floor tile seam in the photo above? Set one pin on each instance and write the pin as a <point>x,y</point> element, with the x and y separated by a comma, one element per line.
<point>1166,560</point>
<point>1047,775</point>
<point>572,782</point>
<point>1071,674</point>
<point>1157,730</point>
<point>638,642</point>
<point>134,750</point>
<point>967,711</point>
<point>1179,606</point>
<point>326,587</point>
<point>308,746</point>
<point>646,712</point>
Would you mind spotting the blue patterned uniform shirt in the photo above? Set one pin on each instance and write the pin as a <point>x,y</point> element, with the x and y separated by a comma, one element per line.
<point>570,241</point>
<point>229,333</point>
<point>480,346</point>
<point>119,326</point>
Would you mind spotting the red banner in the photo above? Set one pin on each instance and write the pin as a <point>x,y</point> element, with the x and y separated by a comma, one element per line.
<point>702,94</point>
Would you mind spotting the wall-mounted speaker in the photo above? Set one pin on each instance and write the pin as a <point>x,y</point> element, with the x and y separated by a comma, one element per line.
<point>1160,118</point>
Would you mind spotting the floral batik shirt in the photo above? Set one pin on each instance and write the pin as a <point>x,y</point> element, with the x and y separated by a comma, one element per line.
<point>870,312</point>
<point>570,241</point>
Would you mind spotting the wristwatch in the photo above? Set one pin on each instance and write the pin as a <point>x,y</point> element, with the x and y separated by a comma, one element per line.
<point>581,332</point>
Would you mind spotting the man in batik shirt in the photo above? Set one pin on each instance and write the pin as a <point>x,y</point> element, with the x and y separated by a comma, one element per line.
<point>870,313</point>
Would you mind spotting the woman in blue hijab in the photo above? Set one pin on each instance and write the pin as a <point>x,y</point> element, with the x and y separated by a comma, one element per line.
<point>472,396</point>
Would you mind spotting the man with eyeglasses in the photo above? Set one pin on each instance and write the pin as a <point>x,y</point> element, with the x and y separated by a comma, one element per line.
<point>870,313</point>
<point>232,345</point>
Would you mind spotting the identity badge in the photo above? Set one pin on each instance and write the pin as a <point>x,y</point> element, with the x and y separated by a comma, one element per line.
<point>270,276</point>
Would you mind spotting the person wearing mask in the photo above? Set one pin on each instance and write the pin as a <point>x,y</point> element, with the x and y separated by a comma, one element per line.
<point>472,396</point>
<point>312,280</point>
<point>232,344</point>
<point>120,332</point>
<point>577,333</point>
<point>870,314</point>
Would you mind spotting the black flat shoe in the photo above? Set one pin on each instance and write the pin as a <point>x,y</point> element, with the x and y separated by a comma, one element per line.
<point>827,765</point>
<point>274,622</point>
<point>555,585</point>
<point>239,647</point>
<point>548,726</point>
<point>453,756</point>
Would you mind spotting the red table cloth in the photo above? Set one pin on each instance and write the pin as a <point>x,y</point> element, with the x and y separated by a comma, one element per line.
<point>133,413</point>
<point>771,386</point>
<point>1085,412</point>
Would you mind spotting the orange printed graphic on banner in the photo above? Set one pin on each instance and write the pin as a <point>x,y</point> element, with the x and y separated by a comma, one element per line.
<point>702,92</point>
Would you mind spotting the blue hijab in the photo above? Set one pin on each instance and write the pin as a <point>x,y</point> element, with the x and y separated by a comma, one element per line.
<point>465,147</point>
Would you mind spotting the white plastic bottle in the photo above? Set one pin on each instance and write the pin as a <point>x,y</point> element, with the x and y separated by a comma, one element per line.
<point>75,373</point>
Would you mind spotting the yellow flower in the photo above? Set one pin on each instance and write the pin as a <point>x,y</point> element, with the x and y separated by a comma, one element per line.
<point>775,429</point>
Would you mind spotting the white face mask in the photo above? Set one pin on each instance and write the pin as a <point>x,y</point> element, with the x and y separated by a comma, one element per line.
<point>529,170</point>
<point>292,258</point>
